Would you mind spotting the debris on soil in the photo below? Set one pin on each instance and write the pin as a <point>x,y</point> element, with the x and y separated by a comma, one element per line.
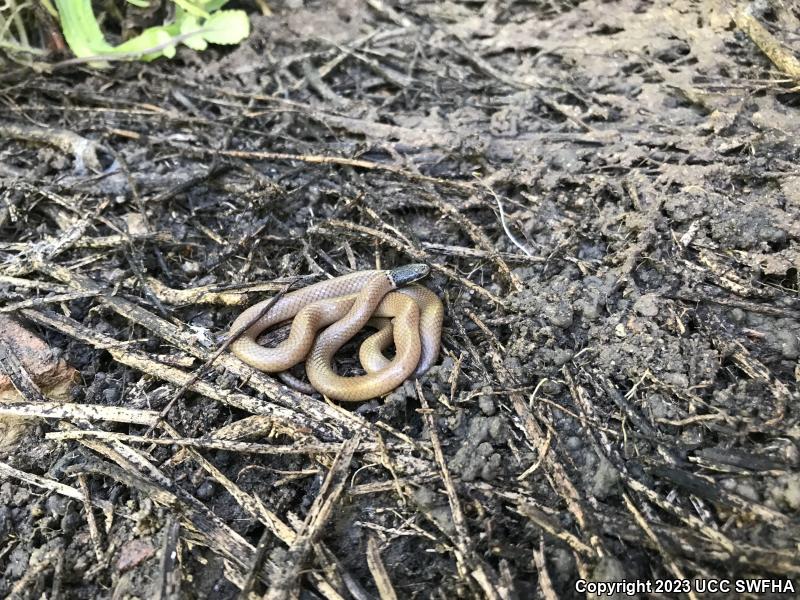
<point>607,196</point>
<point>31,371</point>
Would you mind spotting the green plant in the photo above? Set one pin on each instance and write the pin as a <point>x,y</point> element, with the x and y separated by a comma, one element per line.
<point>13,33</point>
<point>197,23</point>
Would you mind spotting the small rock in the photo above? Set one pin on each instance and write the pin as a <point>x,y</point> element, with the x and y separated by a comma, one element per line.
<point>111,394</point>
<point>560,315</point>
<point>608,569</point>
<point>497,429</point>
<point>551,388</point>
<point>789,345</point>
<point>646,305</point>
<point>70,522</point>
<point>136,223</point>
<point>492,467</point>
<point>36,356</point>
<point>487,406</point>
<point>738,315</point>
<point>592,307</point>
<point>52,375</point>
<point>561,357</point>
<point>37,511</point>
<point>133,554</point>
<point>605,479</point>
<point>57,504</point>
<point>478,430</point>
<point>206,490</point>
<point>485,449</point>
<point>425,497</point>
<point>679,380</point>
<point>190,267</point>
<point>792,494</point>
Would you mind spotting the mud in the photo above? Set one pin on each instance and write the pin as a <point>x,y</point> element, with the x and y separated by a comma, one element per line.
<point>608,195</point>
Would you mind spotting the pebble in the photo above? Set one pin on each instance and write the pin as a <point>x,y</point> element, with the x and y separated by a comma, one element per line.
<point>789,344</point>
<point>70,522</point>
<point>206,490</point>
<point>111,394</point>
<point>646,305</point>
<point>57,504</point>
<point>487,406</point>
<point>485,449</point>
<point>492,467</point>
<point>560,315</point>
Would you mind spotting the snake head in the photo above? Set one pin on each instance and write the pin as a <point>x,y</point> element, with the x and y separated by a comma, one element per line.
<point>408,274</point>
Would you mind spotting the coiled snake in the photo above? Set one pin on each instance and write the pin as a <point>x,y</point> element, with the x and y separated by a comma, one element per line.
<point>404,312</point>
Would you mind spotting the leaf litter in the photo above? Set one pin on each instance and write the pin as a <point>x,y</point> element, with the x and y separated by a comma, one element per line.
<point>608,197</point>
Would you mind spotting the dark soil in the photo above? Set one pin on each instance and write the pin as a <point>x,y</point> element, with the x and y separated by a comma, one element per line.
<point>608,195</point>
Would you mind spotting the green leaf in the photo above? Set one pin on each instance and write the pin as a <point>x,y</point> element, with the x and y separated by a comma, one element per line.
<point>80,27</point>
<point>226,27</point>
<point>151,43</point>
<point>211,6</point>
<point>192,8</point>
<point>197,23</point>
<point>190,25</point>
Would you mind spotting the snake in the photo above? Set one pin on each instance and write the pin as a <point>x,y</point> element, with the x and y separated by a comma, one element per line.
<point>326,315</point>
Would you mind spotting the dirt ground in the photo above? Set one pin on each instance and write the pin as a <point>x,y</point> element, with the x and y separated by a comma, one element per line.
<point>608,195</point>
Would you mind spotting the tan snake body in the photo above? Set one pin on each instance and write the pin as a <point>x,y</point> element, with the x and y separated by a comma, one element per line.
<point>343,306</point>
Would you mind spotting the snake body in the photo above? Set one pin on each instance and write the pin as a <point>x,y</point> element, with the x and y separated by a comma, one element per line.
<point>410,315</point>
